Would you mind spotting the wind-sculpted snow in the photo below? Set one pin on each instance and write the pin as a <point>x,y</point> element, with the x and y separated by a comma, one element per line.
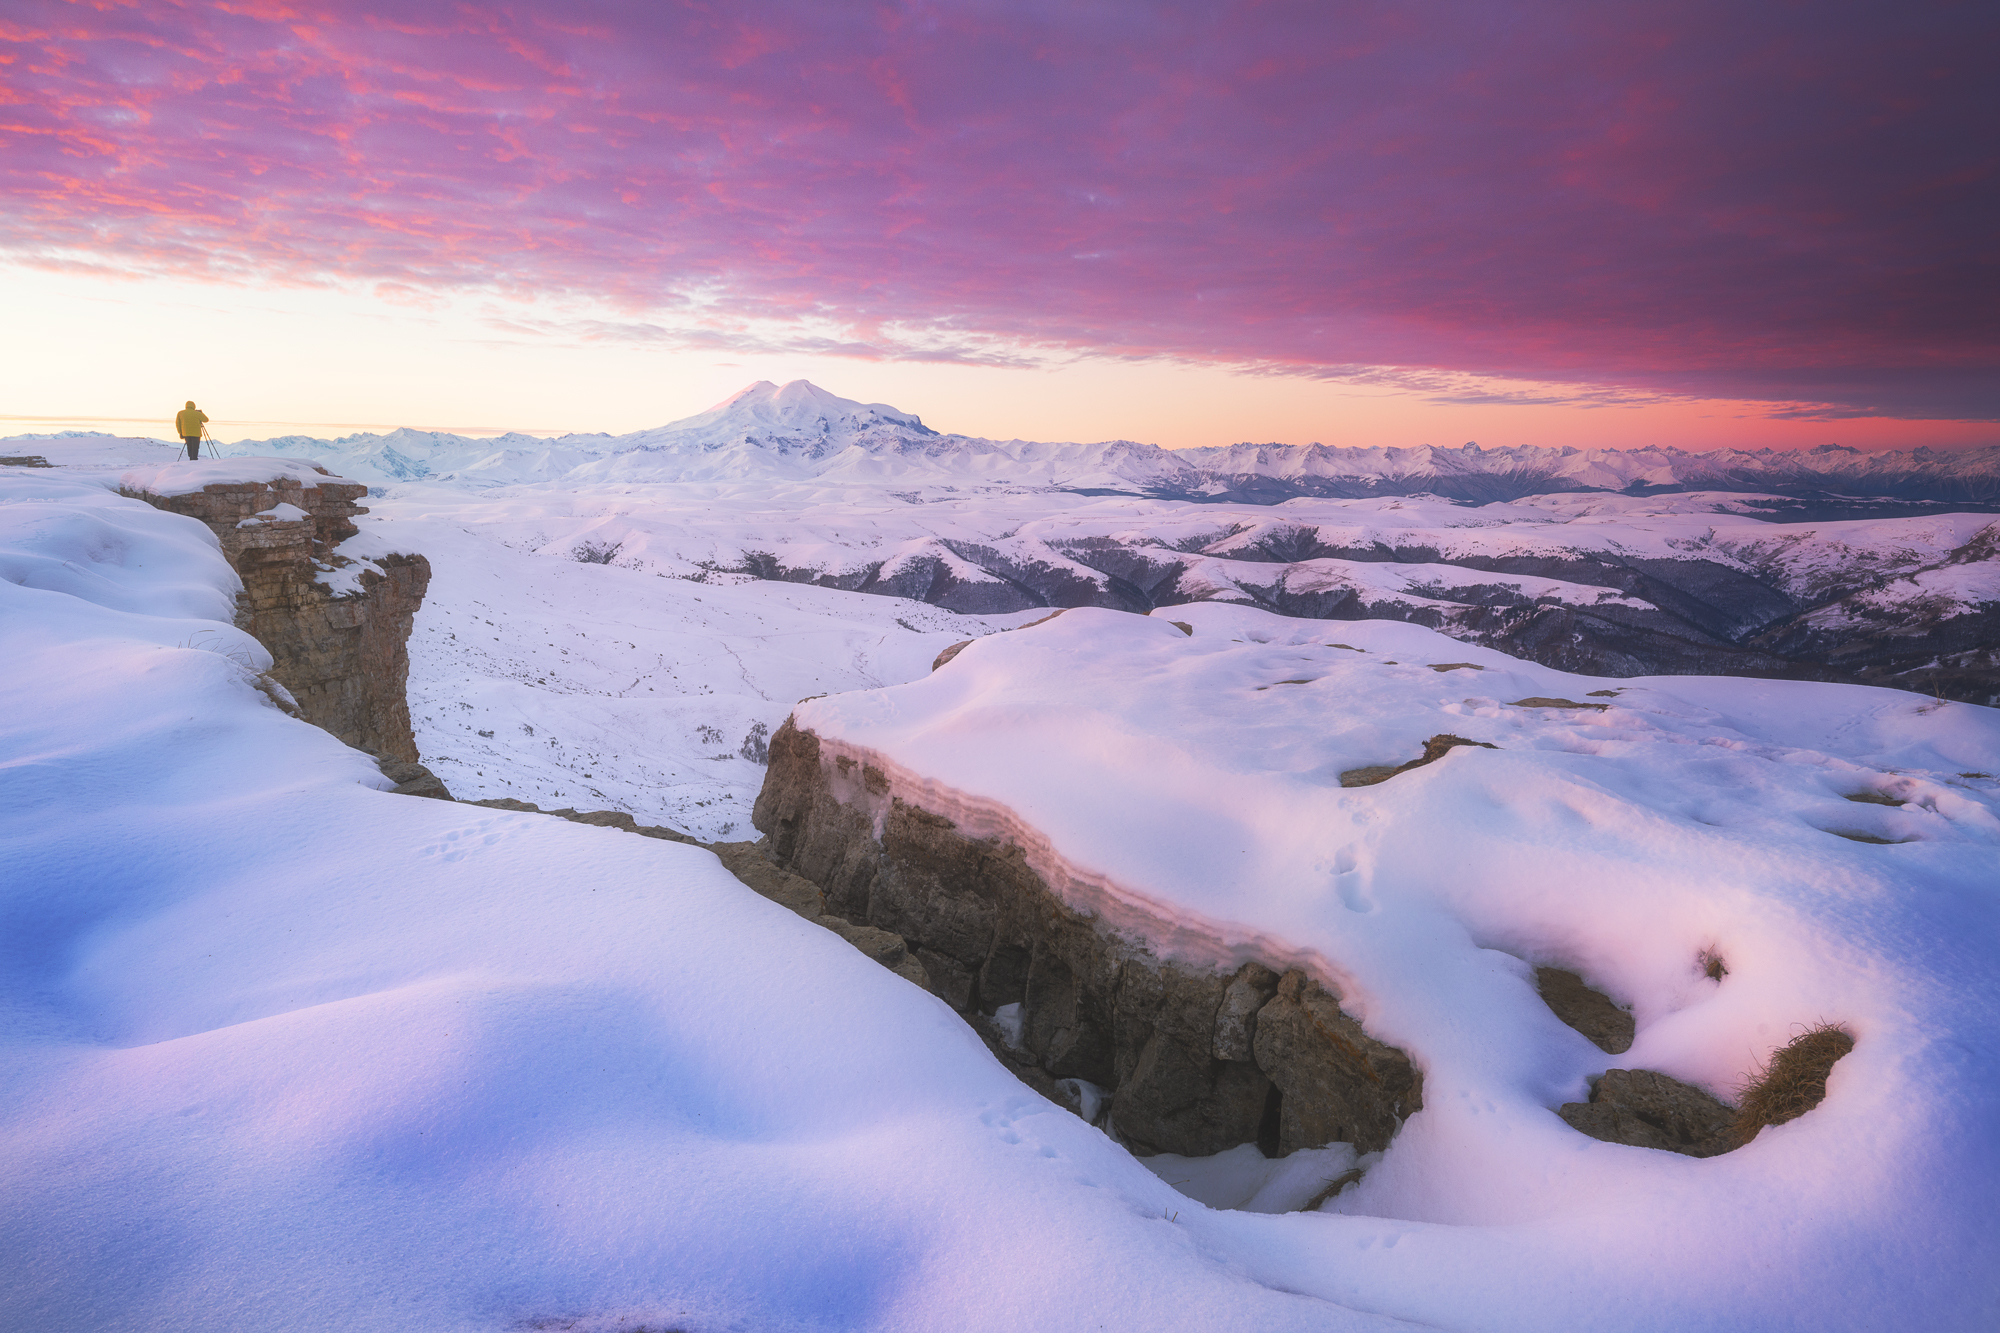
<point>284,1049</point>
<point>1833,845</point>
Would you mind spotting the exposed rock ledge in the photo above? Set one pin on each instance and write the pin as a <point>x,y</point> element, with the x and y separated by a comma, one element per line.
<point>344,656</point>
<point>1260,1024</point>
<point>1195,1058</point>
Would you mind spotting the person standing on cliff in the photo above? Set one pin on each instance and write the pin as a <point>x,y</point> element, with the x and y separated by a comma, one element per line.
<point>187,424</point>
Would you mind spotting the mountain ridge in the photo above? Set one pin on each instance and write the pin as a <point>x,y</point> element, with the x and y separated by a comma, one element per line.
<point>799,431</point>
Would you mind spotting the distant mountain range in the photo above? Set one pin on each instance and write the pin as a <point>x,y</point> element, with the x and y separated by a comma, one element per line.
<point>1828,564</point>
<point>1605,584</point>
<point>801,432</point>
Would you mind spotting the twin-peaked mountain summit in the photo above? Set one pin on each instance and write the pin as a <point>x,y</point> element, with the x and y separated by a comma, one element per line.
<point>801,432</point>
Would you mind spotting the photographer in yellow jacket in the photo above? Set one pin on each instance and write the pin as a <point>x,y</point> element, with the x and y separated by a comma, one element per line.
<point>188,423</point>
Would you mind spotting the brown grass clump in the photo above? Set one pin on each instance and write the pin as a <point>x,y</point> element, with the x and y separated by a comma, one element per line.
<point>1793,1082</point>
<point>1436,748</point>
<point>1711,965</point>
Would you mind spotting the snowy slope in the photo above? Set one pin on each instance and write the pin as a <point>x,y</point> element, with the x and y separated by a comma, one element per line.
<point>285,1051</point>
<point>560,682</point>
<point>1195,779</point>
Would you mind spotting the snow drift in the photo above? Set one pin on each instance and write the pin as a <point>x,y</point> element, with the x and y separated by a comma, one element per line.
<point>1834,844</point>
<point>285,1049</point>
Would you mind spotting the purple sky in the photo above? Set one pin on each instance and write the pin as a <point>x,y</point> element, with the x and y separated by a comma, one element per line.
<point>1790,203</point>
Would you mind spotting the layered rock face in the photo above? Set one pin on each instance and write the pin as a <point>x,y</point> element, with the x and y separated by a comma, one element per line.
<point>1195,1060</point>
<point>343,656</point>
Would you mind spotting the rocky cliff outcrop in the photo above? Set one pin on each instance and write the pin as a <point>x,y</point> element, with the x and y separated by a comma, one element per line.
<point>339,643</point>
<point>1193,1059</point>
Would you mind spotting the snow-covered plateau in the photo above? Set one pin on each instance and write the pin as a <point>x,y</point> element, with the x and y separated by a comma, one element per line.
<point>1827,565</point>
<point>285,1049</point>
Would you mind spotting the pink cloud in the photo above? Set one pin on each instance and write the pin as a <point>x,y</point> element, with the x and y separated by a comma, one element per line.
<point>1778,202</point>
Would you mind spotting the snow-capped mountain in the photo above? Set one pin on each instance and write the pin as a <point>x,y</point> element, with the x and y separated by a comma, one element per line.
<point>766,432</point>
<point>799,431</point>
<point>1279,471</point>
<point>799,418</point>
<point>795,485</point>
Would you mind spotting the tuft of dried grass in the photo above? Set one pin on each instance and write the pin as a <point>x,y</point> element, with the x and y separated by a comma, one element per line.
<point>1436,748</point>
<point>1711,965</point>
<point>1793,1081</point>
<point>1333,1188</point>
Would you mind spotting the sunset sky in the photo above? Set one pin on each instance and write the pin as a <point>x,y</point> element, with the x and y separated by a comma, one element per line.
<point>1590,224</point>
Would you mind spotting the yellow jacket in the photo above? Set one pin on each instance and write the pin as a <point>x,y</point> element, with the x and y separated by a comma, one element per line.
<point>188,421</point>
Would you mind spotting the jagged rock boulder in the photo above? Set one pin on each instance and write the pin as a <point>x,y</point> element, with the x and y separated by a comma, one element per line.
<point>1646,1109</point>
<point>1176,1094</point>
<point>1339,1084</point>
<point>1590,1012</point>
<point>882,946</point>
<point>747,861</point>
<point>1236,1019</point>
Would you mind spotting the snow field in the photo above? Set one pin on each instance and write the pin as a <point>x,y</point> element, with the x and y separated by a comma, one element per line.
<point>1195,779</point>
<point>72,537</point>
<point>559,682</point>
<point>285,1050</point>
<point>716,501</point>
<point>680,529</point>
<point>185,477</point>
